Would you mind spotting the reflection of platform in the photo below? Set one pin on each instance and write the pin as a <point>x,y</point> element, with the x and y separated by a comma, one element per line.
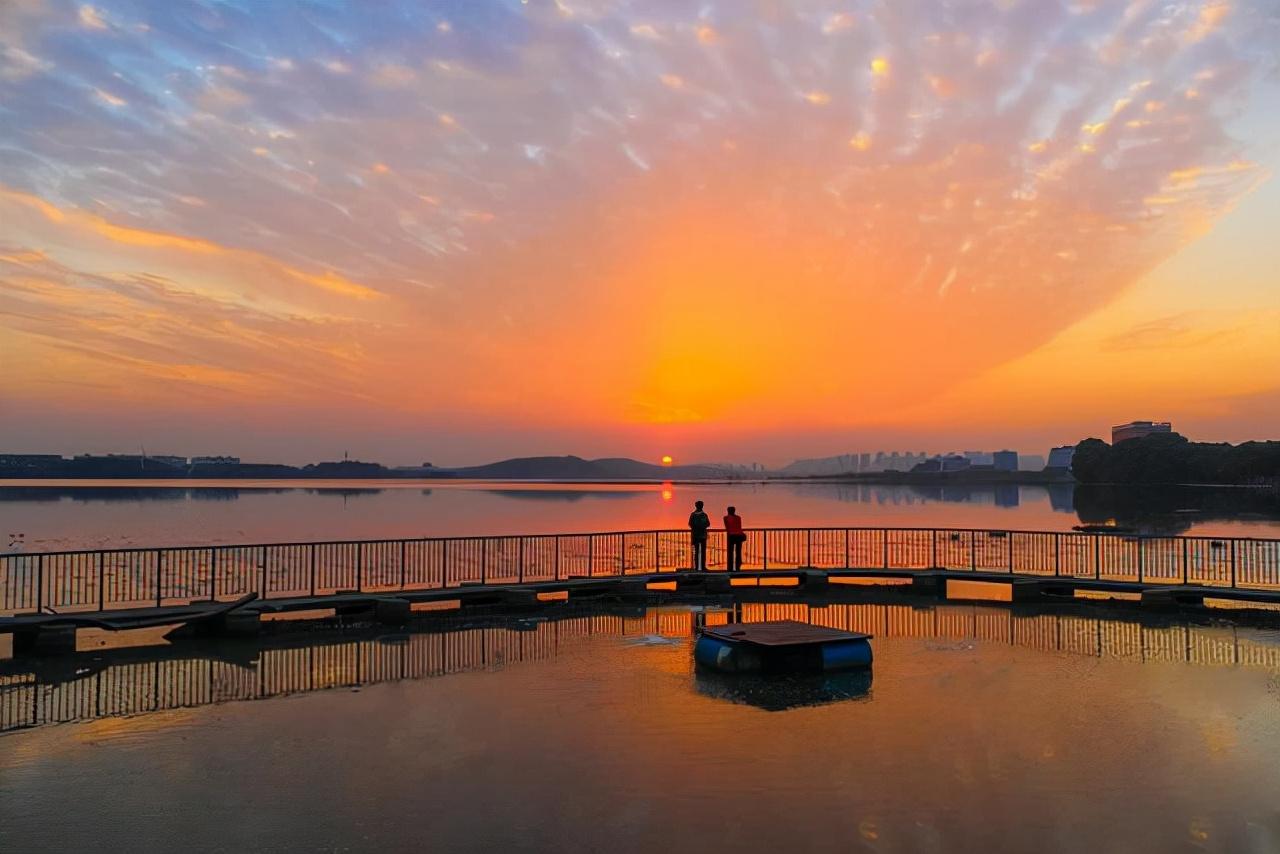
<point>780,646</point>
<point>778,693</point>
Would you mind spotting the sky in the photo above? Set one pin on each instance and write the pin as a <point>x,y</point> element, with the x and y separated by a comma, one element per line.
<point>733,230</point>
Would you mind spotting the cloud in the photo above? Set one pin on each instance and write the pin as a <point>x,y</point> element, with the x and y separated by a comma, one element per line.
<point>92,18</point>
<point>779,197</point>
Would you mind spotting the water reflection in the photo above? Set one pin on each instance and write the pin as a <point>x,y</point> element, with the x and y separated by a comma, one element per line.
<point>126,515</point>
<point>779,693</point>
<point>1174,509</point>
<point>116,494</point>
<point>100,684</point>
<point>565,494</point>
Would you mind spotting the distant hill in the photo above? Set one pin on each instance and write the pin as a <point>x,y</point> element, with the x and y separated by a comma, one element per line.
<point>576,468</point>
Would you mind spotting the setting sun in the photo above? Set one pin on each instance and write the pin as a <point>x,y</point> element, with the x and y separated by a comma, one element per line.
<point>666,460</point>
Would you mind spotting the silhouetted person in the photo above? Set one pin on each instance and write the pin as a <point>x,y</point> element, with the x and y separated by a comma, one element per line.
<point>734,538</point>
<point>699,522</point>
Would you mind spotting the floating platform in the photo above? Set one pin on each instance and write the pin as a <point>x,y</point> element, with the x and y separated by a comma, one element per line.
<point>780,646</point>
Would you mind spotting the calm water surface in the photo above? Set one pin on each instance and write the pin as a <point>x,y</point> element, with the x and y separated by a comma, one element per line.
<point>100,514</point>
<point>982,729</point>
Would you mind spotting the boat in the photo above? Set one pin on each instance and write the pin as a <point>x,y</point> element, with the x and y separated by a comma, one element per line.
<point>780,646</point>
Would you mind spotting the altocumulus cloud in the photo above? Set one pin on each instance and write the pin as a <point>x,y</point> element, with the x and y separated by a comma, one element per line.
<point>582,166</point>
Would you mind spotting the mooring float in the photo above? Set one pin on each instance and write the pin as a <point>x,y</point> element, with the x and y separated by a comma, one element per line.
<point>780,646</point>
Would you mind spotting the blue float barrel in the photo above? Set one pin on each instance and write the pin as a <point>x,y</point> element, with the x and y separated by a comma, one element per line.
<point>845,654</point>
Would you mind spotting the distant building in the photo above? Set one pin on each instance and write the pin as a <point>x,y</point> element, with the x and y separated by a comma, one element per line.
<point>1138,429</point>
<point>1030,462</point>
<point>864,462</point>
<point>1060,457</point>
<point>176,462</point>
<point>932,465</point>
<point>955,462</point>
<point>29,459</point>
<point>215,461</point>
<point>1005,460</point>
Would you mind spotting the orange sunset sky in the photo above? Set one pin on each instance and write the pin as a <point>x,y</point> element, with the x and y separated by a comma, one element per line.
<point>734,230</point>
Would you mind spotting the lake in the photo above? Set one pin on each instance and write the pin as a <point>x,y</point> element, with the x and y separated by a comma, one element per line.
<point>980,728</point>
<point>113,514</point>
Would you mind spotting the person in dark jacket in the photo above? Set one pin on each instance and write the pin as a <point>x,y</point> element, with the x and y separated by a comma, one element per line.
<point>734,538</point>
<point>699,523</point>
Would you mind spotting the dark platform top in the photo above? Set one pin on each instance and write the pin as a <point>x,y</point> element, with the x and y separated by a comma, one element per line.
<point>780,633</point>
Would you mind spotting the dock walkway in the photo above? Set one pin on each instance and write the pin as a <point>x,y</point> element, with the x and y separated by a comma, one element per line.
<point>45,597</point>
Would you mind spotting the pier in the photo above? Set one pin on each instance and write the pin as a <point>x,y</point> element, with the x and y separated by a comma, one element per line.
<point>45,597</point>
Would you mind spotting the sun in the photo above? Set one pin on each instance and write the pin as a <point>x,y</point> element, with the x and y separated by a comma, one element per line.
<point>666,460</point>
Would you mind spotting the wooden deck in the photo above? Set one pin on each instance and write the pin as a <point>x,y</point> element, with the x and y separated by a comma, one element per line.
<point>780,633</point>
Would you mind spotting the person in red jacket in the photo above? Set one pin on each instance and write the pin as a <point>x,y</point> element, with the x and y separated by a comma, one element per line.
<point>734,538</point>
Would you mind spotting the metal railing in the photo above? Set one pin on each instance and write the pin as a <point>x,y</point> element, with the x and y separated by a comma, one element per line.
<point>102,580</point>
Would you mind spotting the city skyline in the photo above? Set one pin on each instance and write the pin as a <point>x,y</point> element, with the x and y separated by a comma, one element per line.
<point>473,231</point>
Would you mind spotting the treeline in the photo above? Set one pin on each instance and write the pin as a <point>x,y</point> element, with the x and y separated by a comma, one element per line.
<point>127,469</point>
<point>1171,458</point>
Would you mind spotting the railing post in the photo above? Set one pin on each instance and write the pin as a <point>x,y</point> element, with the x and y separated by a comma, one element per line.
<point>933,542</point>
<point>884,546</point>
<point>262,562</point>
<point>39,583</point>
<point>1057,554</point>
<point>764,551</point>
<point>808,547</point>
<point>313,569</point>
<point>1140,567</point>
<point>102,582</point>
<point>622,556</point>
<point>1097,556</point>
<point>1233,562</point>
<point>444,565</point>
<point>846,548</point>
<point>359,567</point>
<point>657,556</point>
<point>159,567</point>
<point>520,561</point>
<point>591,555</point>
<point>484,561</point>
<point>973,551</point>
<point>557,561</point>
<point>213,574</point>
<point>1186,563</point>
<point>404,569</point>
<point>1008,536</point>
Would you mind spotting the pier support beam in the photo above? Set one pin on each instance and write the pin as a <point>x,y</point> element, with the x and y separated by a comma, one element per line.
<point>521,597</point>
<point>1025,591</point>
<point>236,624</point>
<point>813,581</point>
<point>928,584</point>
<point>45,640</point>
<point>720,582</point>
<point>1161,599</point>
<point>392,612</point>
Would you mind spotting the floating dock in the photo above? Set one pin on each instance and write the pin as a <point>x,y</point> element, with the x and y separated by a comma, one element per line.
<point>780,646</point>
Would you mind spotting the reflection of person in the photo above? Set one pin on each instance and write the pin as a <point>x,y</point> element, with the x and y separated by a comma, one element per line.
<point>734,538</point>
<point>699,522</point>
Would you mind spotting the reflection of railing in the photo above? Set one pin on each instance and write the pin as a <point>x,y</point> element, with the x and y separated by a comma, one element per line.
<point>125,578</point>
<point>39,694</point>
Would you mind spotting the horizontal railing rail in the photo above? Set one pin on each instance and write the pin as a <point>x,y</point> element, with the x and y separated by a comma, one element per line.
<point>113,579</point>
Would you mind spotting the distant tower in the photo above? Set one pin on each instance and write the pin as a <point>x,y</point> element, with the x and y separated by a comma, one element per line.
<point>1138,429</point>
<point>1005,460</point>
